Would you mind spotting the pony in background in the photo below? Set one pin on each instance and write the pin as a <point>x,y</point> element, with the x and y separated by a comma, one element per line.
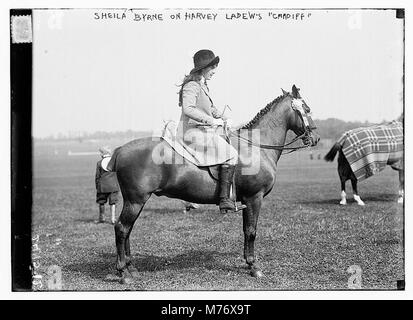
<point>364,152</point>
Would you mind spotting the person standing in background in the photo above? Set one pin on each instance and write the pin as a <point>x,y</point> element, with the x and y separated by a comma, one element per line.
<point>107,187</point>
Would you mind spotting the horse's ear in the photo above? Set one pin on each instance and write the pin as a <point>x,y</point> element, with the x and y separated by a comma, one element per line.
<point>295,92</point>
<point>284,92</point>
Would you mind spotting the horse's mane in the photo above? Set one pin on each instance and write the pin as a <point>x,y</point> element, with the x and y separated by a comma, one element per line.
<point>262,112</point>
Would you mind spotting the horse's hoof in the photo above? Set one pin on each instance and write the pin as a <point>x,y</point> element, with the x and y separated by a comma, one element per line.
<point>133,271</point>
<point>126,277</point>
<point>111,277</point>
<point>192,206</point>
<point>343,203</point>
<point>256,273</point>
<point>400,200</point>
<point>361,203</point>
<point>126,280</point>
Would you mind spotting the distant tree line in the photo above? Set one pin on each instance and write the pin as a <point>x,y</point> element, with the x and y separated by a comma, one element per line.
<point>333,128</point>
<point>330,128</point>
<point>97,135</point>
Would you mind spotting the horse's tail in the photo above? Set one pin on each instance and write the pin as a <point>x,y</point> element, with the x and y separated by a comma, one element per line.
<point>112,163</point>
<point>332,153</point>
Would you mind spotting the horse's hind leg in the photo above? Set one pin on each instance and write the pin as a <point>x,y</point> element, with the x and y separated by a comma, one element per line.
<point>123,227</point>
<point>355,192</point>
<point>343,194</point>
<point>128,258</point>
<point>343,179</point>
<point>401,187</point>
<point>344,172</point>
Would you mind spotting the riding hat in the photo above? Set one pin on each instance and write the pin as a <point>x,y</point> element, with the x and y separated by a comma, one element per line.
<point>203,59</point>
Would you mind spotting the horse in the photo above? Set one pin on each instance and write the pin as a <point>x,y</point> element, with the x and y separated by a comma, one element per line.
<point>360,147</point>
<point>262,144</point>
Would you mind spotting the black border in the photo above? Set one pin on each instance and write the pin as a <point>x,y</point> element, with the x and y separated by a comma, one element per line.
<point>21,159</point>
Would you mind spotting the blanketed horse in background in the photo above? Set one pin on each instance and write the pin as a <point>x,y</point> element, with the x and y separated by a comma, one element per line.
<point>364,152</point>
<point>260,144</point>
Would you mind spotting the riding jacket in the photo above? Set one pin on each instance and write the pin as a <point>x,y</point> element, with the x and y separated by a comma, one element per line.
<point>197,106</point>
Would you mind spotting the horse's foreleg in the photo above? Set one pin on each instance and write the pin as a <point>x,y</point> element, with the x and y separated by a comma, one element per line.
<point>128,257</point>
<point>250,219</point>
<point>123,227</point>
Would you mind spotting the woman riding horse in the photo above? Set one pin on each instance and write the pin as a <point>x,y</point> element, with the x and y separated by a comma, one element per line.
<point>261,143</point>
<point>202,122</point>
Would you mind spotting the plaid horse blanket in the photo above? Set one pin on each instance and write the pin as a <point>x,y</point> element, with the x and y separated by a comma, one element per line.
<point>368,150</point>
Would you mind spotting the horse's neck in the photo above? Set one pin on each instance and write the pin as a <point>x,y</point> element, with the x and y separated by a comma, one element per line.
<point>273,126</point>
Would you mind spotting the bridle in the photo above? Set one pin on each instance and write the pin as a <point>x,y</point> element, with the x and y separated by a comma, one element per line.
<point>297,106</point>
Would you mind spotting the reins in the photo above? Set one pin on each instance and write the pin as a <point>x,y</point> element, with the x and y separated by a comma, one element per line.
<point>283,147</point>
<point>273,147</point>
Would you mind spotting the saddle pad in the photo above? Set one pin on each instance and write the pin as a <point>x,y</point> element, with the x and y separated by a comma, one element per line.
<point>368,150</point>
<point>180,149</point>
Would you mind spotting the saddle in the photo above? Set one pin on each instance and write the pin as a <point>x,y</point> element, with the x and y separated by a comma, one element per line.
<point>169,135</point>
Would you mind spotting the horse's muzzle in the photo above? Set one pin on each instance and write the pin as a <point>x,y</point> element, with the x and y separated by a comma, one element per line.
<point>314,139</point>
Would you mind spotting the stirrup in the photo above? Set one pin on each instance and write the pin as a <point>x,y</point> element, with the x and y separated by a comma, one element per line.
<point>235,208</point>
<point>239,207</point>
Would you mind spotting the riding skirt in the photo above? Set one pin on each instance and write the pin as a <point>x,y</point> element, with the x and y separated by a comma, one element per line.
<point>207,146</point>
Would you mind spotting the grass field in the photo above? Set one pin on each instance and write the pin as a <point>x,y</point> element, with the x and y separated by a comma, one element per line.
<point>305,240</point>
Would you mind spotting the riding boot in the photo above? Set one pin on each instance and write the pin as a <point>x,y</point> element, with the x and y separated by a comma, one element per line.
<point>101,213</point>
<point>225,180</point>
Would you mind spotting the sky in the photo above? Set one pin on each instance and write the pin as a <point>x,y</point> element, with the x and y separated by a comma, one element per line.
<point>92,73</point>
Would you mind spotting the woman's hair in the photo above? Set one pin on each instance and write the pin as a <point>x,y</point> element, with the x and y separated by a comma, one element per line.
<point>196,76</point>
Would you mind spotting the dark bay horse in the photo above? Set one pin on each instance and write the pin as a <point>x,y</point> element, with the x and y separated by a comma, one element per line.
<point>345,171</point>
<point>260,147</point>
